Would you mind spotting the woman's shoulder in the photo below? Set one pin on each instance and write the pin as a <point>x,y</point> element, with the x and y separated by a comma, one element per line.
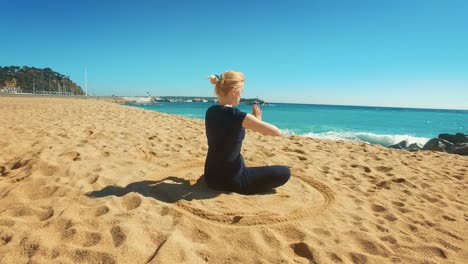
<point>219,108</point>
<point>212,108</point>
<point>224,109</point>
<point>237,111</point>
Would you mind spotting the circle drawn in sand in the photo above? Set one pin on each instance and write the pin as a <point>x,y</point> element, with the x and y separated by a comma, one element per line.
<point>299,198</point>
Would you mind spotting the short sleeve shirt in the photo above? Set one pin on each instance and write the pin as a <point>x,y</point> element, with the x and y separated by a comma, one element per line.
<point>225,134</point>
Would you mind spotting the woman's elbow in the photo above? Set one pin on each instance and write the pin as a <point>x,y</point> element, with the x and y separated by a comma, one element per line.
<point>273,132</point>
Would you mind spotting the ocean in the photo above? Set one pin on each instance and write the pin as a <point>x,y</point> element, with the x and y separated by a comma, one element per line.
<point>375,125</point>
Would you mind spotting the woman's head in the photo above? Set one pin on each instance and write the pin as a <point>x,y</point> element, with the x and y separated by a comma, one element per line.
<point>227,83</point>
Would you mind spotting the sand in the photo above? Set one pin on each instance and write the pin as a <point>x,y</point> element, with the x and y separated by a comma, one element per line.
<point>89,181</point>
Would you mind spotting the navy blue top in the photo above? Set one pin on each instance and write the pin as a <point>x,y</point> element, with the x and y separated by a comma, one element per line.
<point>225,134</point>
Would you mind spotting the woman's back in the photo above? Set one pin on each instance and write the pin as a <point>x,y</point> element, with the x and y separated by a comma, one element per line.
<point>225,134</point>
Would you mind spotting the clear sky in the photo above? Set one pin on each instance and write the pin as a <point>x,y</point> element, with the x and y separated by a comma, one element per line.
<point>410,53</point>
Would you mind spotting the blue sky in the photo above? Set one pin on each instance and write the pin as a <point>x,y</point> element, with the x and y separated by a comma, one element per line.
<point>384,53</point>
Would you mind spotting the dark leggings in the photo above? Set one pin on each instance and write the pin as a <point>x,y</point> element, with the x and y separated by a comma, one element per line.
<point>260,179</point>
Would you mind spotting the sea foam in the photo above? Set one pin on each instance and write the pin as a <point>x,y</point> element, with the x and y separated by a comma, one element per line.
<point>380,139</point>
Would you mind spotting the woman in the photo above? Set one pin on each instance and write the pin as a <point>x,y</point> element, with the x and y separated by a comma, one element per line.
<point>224,167</point>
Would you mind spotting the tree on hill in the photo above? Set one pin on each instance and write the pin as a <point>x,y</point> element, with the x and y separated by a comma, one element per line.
<point>28,78</point>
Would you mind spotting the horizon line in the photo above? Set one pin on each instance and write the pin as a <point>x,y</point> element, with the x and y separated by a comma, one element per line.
<point>272,102</point>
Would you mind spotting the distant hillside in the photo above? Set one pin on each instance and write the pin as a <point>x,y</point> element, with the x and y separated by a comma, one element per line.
<point>26,79</point>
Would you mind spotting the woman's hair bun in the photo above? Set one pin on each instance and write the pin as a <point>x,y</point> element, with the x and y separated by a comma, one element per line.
<point>213,79</point>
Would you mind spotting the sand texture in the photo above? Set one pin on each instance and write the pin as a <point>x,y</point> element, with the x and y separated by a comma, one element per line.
<point>89,181</point>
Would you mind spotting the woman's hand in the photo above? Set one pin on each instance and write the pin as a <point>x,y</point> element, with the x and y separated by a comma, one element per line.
<point>256,111</point>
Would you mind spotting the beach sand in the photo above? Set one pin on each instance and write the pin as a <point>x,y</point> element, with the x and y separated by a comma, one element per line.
<point>89,181</point>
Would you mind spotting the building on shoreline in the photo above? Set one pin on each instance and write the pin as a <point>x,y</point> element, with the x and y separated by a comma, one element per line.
<point>10,87</point>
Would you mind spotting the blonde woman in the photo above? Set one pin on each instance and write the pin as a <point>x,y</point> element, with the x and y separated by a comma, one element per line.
<point>225,130</point>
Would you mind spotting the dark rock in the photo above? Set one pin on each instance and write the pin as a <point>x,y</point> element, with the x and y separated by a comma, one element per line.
<point>401,145</point>
<point>461,149</point>
<point>438,144</point>
<point>457,138</point>
<point>414,147</point>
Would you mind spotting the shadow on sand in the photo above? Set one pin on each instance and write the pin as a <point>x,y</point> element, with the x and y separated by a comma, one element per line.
<point>169,190</point>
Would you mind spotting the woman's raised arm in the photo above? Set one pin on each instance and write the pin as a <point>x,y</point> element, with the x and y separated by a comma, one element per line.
<point>257,125</point>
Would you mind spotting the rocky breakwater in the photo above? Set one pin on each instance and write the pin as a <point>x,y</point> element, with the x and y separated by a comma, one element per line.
<point>456,144</point>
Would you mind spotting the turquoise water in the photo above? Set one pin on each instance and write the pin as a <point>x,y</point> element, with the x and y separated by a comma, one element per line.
<point>375,125</point>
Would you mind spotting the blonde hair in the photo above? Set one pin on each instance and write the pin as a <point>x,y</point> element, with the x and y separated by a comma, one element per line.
<point>227,81</point>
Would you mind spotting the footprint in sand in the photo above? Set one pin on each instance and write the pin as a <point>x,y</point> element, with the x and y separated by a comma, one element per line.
<point>87,256</point>
<point>381,228</point>
<point>45,213</point>
<point>21,211</point>
<point>389,239</point>
<point>101,210</point>
<point>92,239</point>
<point>131,201</point>
<point>3,171</point>
<point>301,158</point>
<point>5,238</point>
<point>413,228</point>
<point>65,228</point>
<point>334,257</point>
<point>28,247</point>
<point>383,185</point>
<point>399,180</point>
<point>19,164</point>
<point>390,217</point>
<point>383,169</point>
<point>303,250</point>
<point>373,247</point>
<point>364,168</point>
<point>93,179</point>
<point>399,204</point>
<point>118,235</point>
<point>358,258</point>
<point>378,208</point>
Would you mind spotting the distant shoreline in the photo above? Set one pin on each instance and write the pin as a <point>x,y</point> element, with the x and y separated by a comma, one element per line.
<point>107,97</point>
